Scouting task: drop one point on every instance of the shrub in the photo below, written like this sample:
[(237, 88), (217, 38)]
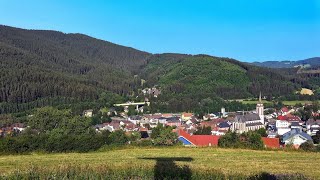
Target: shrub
[(143, 143), (204, 130), (229, 140), (165, 137), (250, 140), (262, 132), (253, 140), (316, 138), (118, 137), (307, 146)]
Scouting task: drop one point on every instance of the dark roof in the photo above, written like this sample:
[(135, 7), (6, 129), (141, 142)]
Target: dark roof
[(135, 117), (295, 124), (144, 134), (112, 109), (173, 120), (193, 120), (97, 126), (224, 125), (254, 124), (313, 122), (247, 117), (294, 132)]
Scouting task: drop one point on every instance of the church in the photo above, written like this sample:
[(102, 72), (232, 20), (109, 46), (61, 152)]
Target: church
[(250, 122)]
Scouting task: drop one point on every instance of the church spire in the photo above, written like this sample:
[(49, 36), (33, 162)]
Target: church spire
[(260, 99), (260, 109)]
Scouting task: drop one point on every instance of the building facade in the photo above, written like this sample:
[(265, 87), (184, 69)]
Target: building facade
[(250, 122)]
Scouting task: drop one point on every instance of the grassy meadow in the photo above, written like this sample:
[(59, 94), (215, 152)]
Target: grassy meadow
[(288, 103), (146, 163)]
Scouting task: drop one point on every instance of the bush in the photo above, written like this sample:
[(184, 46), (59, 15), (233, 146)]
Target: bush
[(143, 143), (165, 136), (316, 138), (118, 137), (251, 140), (307, 146), (262, 132), (204, 130), (229, 140)]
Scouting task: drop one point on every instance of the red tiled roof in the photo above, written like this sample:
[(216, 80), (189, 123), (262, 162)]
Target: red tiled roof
[(289, 115), (271, 142), (284, 109), (167, 115), (200, 140), (187, 114), (282, 117), (208, 123), (143, 129), (294, 118)]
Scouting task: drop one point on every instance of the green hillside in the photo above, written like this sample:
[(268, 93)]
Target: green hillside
[(37, 65), (227, 78), (204, 74), (188, 80), (39, 68)]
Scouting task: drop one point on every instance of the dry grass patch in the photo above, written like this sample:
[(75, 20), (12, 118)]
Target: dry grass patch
[(227, 161)]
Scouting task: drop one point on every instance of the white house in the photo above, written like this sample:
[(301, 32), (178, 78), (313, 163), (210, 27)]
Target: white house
[(282, 131), (313, 127), (295, 137), (282, 127), (88, 113), (282, 124)]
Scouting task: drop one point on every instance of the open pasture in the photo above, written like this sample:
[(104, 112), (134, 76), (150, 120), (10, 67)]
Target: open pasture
[(148, 162)]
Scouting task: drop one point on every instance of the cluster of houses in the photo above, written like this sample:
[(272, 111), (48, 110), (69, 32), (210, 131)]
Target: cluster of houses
[(154, 92), (10, 129), (282, 127)]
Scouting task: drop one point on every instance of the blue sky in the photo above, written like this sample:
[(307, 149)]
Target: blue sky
[(247, 30)]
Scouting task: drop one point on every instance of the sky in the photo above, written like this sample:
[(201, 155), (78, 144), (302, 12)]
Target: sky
[(247, 30)]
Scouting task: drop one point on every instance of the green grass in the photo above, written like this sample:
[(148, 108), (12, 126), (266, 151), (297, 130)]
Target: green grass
[(141, 161), (254, 102), (292, 103), (288, 103)]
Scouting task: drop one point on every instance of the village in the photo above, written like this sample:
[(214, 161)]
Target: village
[(282, 127)]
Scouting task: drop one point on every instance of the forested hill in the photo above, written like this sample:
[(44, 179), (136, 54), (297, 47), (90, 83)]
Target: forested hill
[(40, 64), (40, 68), (311, 62), (210, 76)]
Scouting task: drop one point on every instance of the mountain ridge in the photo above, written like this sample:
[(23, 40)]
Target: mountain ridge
[(36, 65), (313, 62)]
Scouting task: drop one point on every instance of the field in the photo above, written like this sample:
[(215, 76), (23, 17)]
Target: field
[(148, 162), (288, 103)]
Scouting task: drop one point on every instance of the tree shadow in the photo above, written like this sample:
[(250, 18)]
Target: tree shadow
[(166, 168)]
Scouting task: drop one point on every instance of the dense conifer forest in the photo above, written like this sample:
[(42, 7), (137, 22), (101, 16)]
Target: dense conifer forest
[(40, 68)]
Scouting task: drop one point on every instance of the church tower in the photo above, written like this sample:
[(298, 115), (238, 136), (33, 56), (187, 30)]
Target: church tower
[(260, 109)]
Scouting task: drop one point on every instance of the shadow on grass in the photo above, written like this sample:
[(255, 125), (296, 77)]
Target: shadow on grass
[(166, 168), (268, 176)]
